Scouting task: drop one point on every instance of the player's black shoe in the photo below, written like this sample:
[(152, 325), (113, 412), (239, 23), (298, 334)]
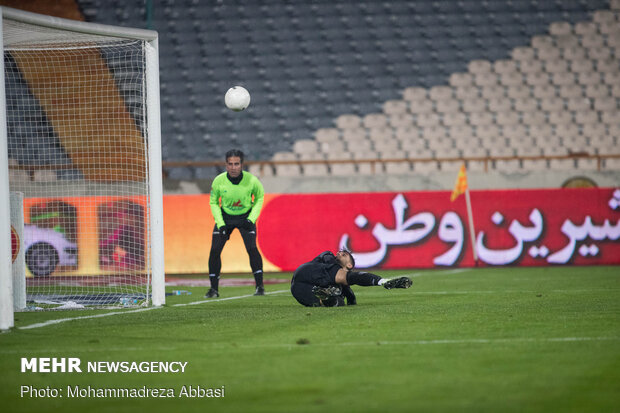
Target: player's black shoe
[(212, 293), (260, 290), (324, 293), (400, 282)]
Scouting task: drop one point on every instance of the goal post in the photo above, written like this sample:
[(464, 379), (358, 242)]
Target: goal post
[(6, 277), (80, 137)]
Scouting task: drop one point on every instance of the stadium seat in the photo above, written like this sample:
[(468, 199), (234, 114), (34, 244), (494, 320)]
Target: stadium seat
[(493, 91), (560, 29), (367, 168), (433, 132), (528, 151), (461, 79), (387, 145), (313, 169), (427, 120), (475, 105), (570, 91), (287, 170), (500, 150), (516, 132), (557, 116), (523, 53), (327, 134), (507, 118), (527, 106), (574, 53), (464, 134), (594, 131), (511, 79), (414, 94), (333, 147), (260, 170), (343, 169), (548, 54), (421, 107), (500, 104), (407, 134), (562, 164), (418, 152), (518, 91), (486, 79), (507, 165), (596, 91), (575, 143), (467, 92), (447, 106), (479, 119), (607, 65), (380, 133), (375, 120), (395, 107), (348, 121), (425, 168), (540, 78), (454, 119), (610, 119), (401, 120), (578, 104), (473, 152), (505, 66), (534, 165)]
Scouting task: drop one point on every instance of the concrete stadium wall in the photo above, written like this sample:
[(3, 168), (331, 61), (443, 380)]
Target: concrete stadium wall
[(438, 181)]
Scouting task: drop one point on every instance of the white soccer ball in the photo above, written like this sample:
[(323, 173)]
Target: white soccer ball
[(237, 98)]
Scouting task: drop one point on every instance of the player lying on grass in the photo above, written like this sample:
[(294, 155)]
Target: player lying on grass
[(325, 281)]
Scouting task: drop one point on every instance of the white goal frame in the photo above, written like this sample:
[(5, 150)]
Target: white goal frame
[(155, 200)]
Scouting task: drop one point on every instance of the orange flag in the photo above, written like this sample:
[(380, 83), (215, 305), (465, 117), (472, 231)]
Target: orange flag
[(461, 184)]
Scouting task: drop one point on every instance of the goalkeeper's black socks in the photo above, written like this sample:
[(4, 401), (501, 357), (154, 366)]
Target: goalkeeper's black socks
[(215, 281), (258, 277), (365, 279)]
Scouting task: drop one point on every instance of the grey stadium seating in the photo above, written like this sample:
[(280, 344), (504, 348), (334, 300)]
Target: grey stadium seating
[(309, 64)]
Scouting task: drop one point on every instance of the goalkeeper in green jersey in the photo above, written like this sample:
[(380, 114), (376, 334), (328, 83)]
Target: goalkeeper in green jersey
[(236, 202)]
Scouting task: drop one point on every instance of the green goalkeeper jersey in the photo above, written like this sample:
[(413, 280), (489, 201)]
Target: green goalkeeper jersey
[(236, 199)]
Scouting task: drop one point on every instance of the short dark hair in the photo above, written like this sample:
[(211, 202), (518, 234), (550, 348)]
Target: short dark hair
[(235, 152), (350, 256)]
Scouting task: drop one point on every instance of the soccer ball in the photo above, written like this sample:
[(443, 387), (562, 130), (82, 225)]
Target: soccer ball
[(237, 98)]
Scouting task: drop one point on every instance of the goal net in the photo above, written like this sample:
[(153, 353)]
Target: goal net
[(83, 144)]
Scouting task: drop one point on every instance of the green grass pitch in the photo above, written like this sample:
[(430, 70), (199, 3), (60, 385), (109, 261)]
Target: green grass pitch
[(477, 340)]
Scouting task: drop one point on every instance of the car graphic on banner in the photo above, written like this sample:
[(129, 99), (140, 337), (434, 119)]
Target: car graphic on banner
[(46, 249)]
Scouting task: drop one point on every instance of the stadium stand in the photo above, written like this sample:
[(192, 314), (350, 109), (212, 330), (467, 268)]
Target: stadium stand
[(382, 80)]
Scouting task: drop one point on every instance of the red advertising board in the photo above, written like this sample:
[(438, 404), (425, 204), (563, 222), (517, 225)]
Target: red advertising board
[(424, 229)]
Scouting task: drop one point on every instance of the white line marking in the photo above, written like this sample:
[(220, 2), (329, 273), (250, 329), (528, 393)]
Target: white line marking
[(62, 320), (542, 292), (434, 342), (226, 299), (322, 344), (436, 272)]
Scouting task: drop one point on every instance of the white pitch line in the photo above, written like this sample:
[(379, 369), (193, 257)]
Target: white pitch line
[(225, 299), (436, 272), (543, 292), (62, 320), (344, 344), (439, 342)]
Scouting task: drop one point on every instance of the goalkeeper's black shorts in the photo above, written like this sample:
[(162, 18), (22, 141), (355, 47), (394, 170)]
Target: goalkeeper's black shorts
[(305, 278)]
